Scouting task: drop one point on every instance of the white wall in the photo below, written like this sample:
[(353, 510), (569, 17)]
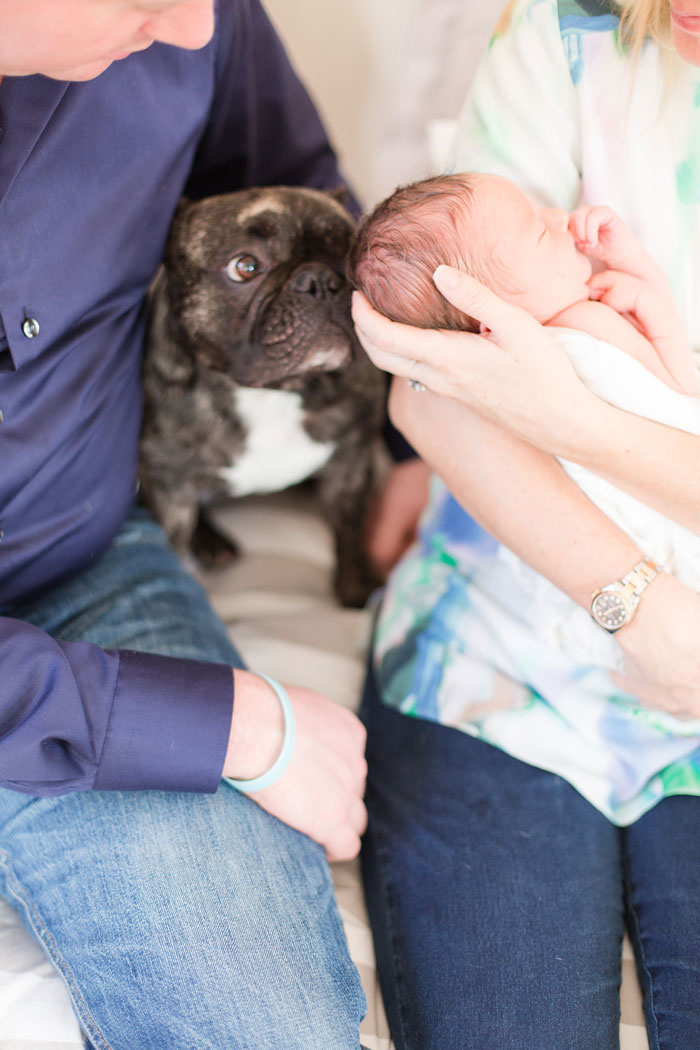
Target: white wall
[(379, 70)]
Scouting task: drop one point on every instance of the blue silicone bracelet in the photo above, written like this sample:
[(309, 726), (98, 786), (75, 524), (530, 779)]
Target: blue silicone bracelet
[(282, 761)]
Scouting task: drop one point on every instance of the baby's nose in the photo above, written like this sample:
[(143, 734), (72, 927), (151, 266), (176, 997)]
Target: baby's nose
[(558, 218)]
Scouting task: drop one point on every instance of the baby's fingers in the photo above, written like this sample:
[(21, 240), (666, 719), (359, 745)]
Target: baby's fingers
[(586, 225), (584, 232), (616, 289)]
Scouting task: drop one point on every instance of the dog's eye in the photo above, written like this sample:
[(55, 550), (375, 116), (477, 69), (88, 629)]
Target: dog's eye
[(243, 267)]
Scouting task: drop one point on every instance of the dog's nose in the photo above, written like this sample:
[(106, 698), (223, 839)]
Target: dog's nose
[(321, 283)]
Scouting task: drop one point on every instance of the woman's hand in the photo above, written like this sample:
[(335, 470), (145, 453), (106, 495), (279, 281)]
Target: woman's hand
[(514, 374), (393, 522), (662, 650)]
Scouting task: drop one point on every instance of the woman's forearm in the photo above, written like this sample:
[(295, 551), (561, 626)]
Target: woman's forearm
[(519, 494), (657, 464), (524, 498)]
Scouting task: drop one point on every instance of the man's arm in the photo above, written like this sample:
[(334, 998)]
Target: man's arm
[(75, 717)]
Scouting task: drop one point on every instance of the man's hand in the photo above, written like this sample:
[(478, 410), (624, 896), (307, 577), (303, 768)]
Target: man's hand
[(321, 791)]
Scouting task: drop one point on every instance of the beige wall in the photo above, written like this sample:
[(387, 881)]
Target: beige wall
[(379, 70)]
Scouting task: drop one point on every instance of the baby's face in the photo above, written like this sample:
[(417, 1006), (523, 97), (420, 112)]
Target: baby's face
[(527, 250)]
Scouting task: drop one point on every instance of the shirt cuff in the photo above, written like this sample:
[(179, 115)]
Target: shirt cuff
[(169, 726)]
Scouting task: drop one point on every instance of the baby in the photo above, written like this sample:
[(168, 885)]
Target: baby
[(505, 626), (537, 258)]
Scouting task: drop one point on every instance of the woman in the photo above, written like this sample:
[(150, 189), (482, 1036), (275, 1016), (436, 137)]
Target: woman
[(497, 892)]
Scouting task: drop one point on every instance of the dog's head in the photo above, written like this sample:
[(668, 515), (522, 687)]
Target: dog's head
[(256, 283)]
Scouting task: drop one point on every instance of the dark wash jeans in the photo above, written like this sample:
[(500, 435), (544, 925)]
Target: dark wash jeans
[(498, 898)]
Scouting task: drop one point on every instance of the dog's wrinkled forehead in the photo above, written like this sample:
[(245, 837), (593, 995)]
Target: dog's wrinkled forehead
[(299, 221)]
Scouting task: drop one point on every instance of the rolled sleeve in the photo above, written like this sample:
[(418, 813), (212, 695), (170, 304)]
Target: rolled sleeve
[(75, 717), (169, 725)]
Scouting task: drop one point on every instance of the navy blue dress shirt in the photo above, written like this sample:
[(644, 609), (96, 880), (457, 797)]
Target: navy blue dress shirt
[(90, 175)]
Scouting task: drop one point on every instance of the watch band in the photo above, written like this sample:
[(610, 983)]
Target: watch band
[(614, 605), (639, 578)]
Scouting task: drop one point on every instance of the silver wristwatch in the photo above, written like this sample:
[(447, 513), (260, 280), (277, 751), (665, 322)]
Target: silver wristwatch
[(614, 606)]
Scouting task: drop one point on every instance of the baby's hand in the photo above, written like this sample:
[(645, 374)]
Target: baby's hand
[(652, 312), (622, 292), (600, 233)]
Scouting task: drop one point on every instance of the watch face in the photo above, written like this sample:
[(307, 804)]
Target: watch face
[(609, 610)]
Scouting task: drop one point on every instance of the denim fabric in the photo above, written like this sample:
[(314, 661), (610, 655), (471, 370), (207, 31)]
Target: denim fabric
[(497, 897), (176, 920)]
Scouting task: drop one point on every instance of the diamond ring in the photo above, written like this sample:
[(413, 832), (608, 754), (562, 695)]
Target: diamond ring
[(415, 385)]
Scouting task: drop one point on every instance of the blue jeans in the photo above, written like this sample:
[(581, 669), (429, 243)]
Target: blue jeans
[(498, 898), (178, 921)]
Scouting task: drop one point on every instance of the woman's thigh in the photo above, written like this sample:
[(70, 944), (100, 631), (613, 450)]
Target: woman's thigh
[(662, 867), (495, 895), (178, 921)]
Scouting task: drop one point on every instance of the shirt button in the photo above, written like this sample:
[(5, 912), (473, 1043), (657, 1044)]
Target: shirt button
[(2, 535), (2, 418), (30, 327)]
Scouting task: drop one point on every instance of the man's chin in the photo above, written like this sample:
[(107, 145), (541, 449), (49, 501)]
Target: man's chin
[(85, 72)]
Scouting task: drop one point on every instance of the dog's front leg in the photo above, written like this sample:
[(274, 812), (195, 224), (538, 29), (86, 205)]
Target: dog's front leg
[(346, 488)]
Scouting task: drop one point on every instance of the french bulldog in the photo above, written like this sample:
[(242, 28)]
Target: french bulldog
[(254, 379)]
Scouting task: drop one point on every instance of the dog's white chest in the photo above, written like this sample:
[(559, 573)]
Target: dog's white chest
[(278, 450)]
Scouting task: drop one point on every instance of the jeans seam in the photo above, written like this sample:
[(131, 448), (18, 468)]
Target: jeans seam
[(396, 954), (44, 936), (640, 955)]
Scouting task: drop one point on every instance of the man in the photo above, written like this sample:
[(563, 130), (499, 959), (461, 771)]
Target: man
[(179, 915)]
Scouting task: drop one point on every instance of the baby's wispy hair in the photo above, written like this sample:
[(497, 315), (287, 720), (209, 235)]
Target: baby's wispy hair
[(398, 247)]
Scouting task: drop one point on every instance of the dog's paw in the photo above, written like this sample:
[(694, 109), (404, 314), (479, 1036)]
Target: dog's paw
[(211, 548), (354, 584)]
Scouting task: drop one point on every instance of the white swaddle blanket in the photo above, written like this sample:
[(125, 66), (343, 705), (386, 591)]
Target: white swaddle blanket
[(623, 382)]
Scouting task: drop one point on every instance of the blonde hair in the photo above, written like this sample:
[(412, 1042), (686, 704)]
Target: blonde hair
[(640, 19)]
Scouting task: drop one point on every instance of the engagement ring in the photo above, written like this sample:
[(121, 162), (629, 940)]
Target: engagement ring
[(416, 385)]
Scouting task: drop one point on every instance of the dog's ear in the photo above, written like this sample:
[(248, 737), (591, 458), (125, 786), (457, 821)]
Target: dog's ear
[(178, 238), (182, 205), (341, 194)]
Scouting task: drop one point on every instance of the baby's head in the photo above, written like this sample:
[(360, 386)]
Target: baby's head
[(481, 224), (398, 247)]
